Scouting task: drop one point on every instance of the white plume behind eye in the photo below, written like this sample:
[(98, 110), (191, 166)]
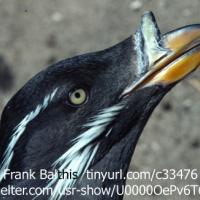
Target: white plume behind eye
[(19, 130), (81, 153)]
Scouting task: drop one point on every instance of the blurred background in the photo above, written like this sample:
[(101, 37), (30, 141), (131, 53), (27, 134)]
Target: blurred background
[(35, 34)]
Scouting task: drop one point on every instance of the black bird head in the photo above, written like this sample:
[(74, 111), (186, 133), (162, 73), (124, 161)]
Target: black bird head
[(87, 112)]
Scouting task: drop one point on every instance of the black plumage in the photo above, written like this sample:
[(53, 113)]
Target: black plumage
[(47, 133)]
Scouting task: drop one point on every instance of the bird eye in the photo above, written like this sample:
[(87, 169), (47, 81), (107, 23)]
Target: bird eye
[(78, 97)]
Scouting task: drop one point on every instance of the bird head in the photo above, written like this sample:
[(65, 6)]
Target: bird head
[(87, 112)]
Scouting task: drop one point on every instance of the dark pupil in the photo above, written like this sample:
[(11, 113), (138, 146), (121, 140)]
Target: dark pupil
[(77, 95)]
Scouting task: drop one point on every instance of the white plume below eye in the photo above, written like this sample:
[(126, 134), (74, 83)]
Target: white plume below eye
[(83, 150), (81, 153)]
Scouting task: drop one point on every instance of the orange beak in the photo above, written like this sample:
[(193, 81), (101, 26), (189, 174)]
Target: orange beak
[(184, 56), (178, 56)]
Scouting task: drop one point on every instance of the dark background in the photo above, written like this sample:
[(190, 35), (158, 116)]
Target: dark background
[(36, 33)]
